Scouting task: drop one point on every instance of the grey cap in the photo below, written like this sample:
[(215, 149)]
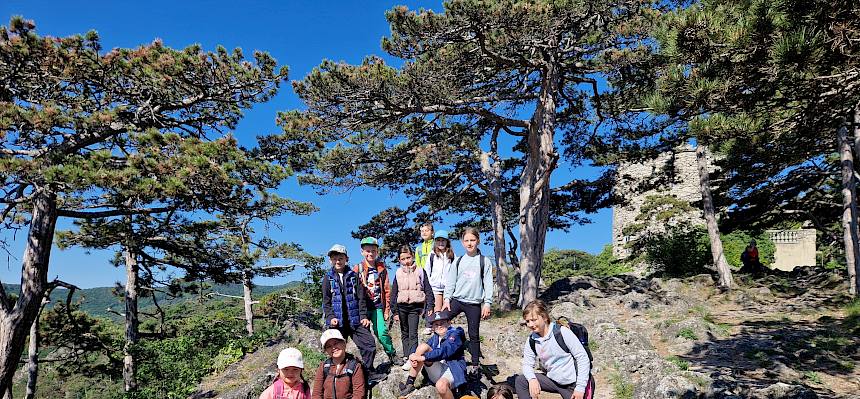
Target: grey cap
[(338, 249)]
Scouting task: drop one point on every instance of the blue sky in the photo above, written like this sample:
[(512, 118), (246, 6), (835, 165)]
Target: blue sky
[(299, 34)]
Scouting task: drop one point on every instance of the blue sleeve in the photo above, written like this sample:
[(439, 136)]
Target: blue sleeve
[(446, 350)]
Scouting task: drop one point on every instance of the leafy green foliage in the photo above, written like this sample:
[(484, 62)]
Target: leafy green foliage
[(735, 243), (681, 251), (560, 264)]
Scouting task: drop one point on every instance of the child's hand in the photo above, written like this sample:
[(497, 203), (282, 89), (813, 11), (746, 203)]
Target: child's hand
[(447, 305), (365, 323), (333, 322), (578, 395), (485, 312), (534, 388)]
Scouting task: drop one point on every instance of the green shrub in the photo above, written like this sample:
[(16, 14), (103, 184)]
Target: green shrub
[(735, 243), (622, 388), (563, 263), (681, 251), (681, 364), (687, 333)]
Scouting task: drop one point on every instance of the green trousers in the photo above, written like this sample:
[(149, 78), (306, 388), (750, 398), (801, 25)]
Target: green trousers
[(381, 331)]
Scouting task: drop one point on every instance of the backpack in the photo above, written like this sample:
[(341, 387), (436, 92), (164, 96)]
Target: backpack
[(578, 330), (349, 371), (481, 277)]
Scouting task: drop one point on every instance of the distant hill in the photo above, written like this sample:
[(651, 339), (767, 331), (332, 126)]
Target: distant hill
[(96, 301)]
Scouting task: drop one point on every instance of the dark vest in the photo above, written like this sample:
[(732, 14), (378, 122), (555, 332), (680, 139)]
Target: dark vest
[(337, 297)]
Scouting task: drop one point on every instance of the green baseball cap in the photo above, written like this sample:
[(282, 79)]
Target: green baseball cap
[(369, 241)]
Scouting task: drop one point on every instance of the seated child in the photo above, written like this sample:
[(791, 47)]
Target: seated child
[(442, 356)]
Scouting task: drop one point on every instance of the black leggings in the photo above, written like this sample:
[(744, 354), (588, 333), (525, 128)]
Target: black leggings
[(409, 314), (473, 321), (364, 340)]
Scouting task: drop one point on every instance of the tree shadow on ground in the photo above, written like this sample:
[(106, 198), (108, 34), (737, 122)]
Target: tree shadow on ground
[(766, 352)]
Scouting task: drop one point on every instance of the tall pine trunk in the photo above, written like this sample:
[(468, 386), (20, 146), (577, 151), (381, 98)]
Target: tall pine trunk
[(249, 311), (849, 209), (16, 319), (33, 354), (719, 256), (535, 186), (132, 272)]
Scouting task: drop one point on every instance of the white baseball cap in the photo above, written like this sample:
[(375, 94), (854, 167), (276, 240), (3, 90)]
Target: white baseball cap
[(290, 357), (330, 334)]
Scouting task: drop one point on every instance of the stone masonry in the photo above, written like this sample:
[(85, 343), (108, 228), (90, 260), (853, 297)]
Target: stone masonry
[(672, 174)]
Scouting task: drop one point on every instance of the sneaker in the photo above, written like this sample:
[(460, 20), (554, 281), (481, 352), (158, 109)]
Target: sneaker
[(473, 371), (407, 365), (406, 389), (392, 358), (427, 331)]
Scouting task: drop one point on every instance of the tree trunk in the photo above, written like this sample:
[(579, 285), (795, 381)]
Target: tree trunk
[(16, 319), (131, 320), (33, 354), (249, 311), (849, 209), (717, 252), (515, 264), (535, 186), (493, 173)]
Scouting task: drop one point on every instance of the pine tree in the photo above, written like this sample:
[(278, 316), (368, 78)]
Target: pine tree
[(67, 111), (524, 67)]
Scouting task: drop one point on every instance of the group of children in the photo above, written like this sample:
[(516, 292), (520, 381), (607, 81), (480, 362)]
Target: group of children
[(433, 284)]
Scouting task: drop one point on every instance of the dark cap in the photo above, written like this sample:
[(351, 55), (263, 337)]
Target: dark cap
[(440, 315)]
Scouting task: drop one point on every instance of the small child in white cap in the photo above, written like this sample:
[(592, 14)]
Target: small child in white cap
[(289, 384)]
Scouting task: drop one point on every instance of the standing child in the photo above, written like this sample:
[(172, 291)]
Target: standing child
[(423, 250), (374, 278), (344, 305), (442, 356), (469, 290), (289, 383), (411, 296), (438, 264)]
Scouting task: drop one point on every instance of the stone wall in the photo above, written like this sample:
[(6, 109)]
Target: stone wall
[(672, 174), (793, 248)]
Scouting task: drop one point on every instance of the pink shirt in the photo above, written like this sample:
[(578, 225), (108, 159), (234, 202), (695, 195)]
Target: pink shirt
[(289, 393)]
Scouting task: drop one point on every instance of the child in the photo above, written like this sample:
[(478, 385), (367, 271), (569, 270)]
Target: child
[(374, 278), (340, 375), (344, 305), (411, 296), (289, 383), (500, 391), (443, 357), (423, 250), (568, 372), (469, 290), (438, 264)]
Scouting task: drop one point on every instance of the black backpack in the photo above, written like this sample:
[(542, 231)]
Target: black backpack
[(578, 330)]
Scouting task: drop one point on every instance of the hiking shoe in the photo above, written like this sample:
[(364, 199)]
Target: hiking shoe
[(406, 389), (427, 331), (393, 359), (473, 371), (407, 365)]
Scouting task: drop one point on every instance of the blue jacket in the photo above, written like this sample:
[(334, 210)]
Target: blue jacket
[(451, 350), (334, 301)]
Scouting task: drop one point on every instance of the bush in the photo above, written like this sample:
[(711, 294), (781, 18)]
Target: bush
[(735, 243), (558, 263), (681, 251)]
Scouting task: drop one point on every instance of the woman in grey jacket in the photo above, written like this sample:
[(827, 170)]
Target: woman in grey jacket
[(567, 373)]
